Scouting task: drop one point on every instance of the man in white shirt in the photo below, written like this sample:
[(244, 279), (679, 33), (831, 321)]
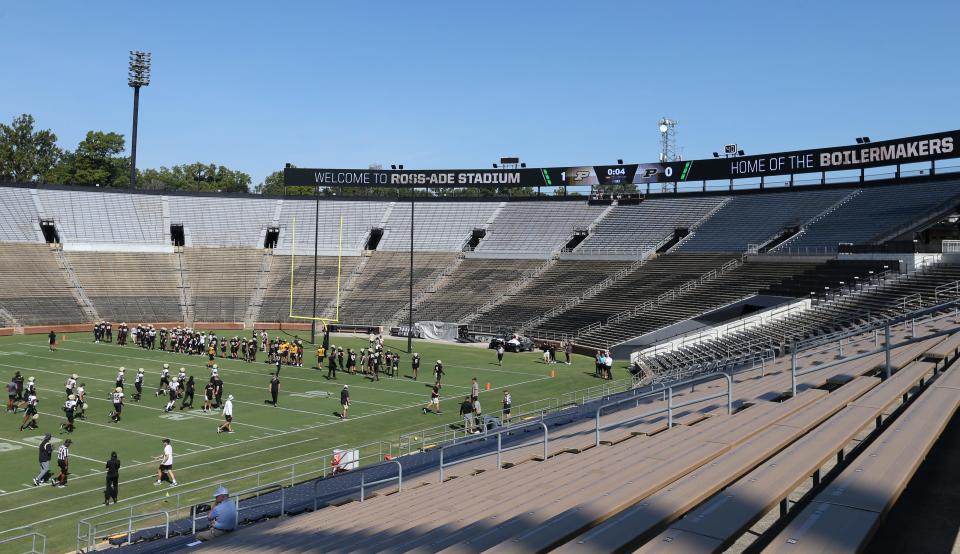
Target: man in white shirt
[(166, 464), (227, 426)]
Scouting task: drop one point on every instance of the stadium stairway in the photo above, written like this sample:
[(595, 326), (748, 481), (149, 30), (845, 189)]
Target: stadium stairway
[(527, 507)]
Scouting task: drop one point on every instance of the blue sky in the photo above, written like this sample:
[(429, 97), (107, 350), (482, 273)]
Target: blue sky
[(458, 84)]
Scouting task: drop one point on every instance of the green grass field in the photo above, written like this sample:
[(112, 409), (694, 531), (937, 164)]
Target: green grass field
[(302, 429)]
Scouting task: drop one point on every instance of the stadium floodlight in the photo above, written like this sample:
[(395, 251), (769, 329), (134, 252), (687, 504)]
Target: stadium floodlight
[(523, 165), (138, 75), (619, 161), (740, 152), (663, 127), (400, 166), (863, 140), (859, 140), (716, 154), (494, 166)]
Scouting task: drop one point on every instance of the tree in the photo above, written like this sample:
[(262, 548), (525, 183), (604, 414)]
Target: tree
[(196, 177), (98, 160), (27, 155)]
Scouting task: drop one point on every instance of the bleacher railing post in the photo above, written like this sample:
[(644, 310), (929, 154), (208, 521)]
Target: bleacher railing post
[(499, 451), (670, 408), (886, 351), (361, 486), (793, 372)]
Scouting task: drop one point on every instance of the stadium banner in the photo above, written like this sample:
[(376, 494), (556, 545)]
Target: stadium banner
[(920, 148), (455, 178)]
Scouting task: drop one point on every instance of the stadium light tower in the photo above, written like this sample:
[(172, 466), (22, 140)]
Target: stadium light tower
[(668, 142), (138, 76)]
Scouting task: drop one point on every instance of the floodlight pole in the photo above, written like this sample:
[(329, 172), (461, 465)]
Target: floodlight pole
[(316, 240), (138, 76), (133, 142), (410, 307)]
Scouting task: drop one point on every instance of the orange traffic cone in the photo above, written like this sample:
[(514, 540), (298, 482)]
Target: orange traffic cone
[(488, 386)]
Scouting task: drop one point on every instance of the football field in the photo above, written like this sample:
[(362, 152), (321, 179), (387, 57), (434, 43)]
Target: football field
[(385, 417)]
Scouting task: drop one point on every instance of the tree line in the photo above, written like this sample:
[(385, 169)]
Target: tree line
[(31, 155)]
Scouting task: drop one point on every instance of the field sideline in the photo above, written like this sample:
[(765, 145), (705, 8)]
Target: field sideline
[(303, 428)]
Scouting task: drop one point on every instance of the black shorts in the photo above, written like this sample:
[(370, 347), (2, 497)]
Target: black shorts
[(69, 417), (118, 408), (12, 396), (228, 418), (63, 465), (31, 410), (210, 357), (166, 467)]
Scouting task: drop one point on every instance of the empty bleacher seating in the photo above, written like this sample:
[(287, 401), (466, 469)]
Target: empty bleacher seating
[(651, 223), (238, 222), (358, 218), (86, 217), (276, 300), (700, 484), (473, 283), (759, 218), (382, 288), (438, 226), (537, 227), (555, 286), (221, 281), (875, 213), (35, 288), (18, 215), (134, 286)]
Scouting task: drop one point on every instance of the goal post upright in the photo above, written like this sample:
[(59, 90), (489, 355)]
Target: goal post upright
[(324, 321)]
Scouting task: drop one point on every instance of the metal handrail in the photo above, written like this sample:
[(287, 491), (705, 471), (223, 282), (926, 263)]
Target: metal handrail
[(91, 535), (500, 450), (363, 484), (668, 390), (887, 347), (34, 536)]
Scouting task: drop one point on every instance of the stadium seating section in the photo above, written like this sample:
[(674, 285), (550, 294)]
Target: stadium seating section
[(812, 472), (536, 227), (815, 470), (117, 261), (759, 218)]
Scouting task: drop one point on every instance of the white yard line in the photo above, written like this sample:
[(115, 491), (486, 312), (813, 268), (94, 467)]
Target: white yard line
[(72, 455)]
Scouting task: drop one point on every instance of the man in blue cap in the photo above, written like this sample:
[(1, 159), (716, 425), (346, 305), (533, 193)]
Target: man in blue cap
[(222, 518)]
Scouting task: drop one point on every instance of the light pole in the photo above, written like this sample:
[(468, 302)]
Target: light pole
[(138, 76), (316, 241)]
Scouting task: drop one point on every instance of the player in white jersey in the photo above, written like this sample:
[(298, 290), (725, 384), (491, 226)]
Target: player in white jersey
[(81, 407), (120, 374), (71, 384), (138, 384), (173, 395), (31, 416), (164, 379), (117, 404), (68, 409)]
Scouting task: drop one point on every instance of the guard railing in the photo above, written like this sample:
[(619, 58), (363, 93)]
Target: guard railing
[(667, 392), (498, 434)]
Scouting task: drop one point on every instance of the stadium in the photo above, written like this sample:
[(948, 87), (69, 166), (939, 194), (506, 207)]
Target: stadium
[(733, 352)]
